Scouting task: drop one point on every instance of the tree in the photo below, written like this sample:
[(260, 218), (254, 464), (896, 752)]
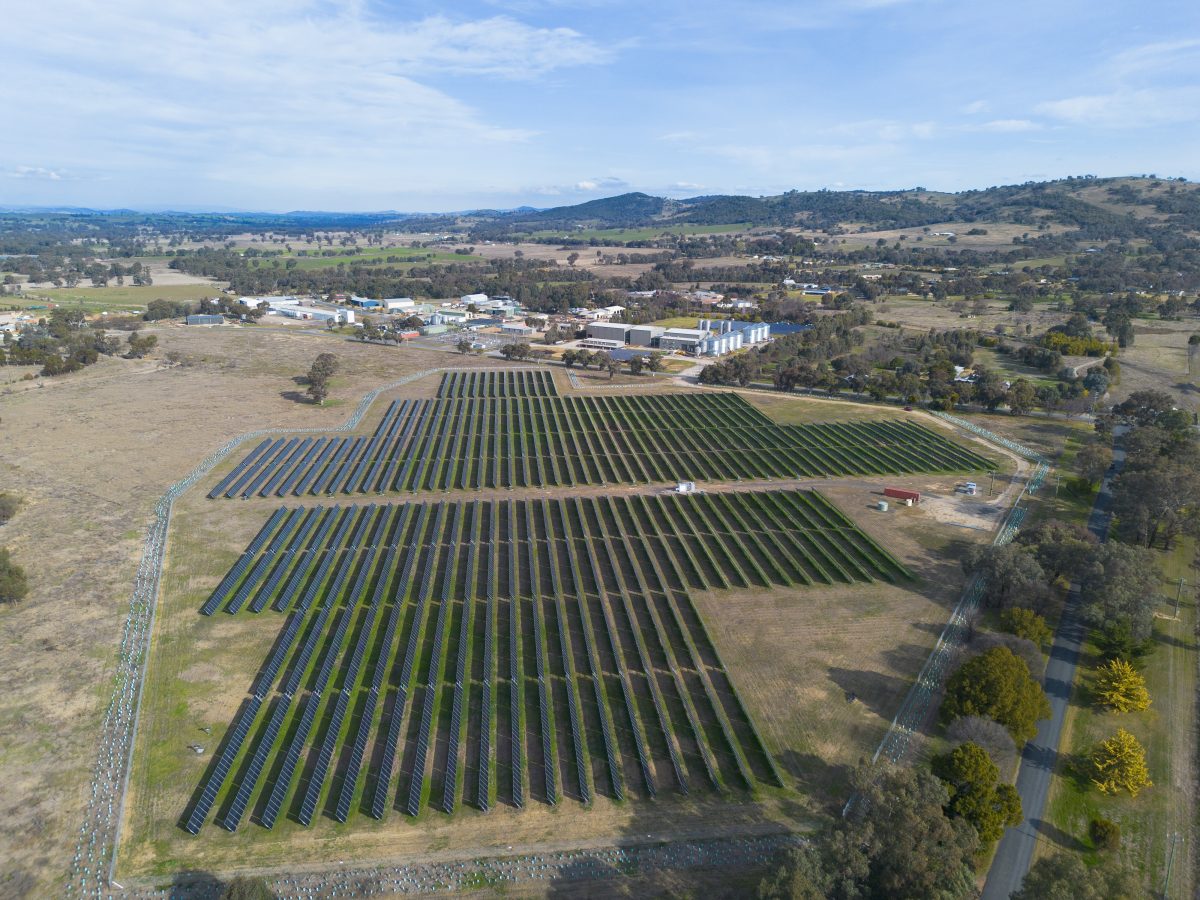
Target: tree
[(1093, 461), (1062, 549), (997, 684), (898, 844), (318, 391), (323, 367), (1121, 587), (13, 583), (1157, 498), (1120, 687), (802, 876), (570, 357), (517, 350), (976, 792), (463, 346), (1119, 764), (318, 376), (655, 362), (1025, 650), (1025, 623), (1151, 407), (1021, 396), (1013, 576), (635, 365), (9, 503), (1064, 876), (1116, 641)]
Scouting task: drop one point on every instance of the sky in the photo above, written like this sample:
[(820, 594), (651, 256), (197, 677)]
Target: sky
[(277, 105)]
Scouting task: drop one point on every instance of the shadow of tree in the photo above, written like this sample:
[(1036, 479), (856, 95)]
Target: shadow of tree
[(826, 783), (1057, 836), (875, 690), (195, 885)]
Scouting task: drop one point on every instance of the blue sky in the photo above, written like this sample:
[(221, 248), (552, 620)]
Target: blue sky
[(361, 105)]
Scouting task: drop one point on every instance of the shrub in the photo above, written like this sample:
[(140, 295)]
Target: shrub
[(13, 584), (8, 506), (1105, 834)]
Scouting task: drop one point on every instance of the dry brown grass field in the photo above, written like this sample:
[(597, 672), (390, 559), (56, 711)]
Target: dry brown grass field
[(91, 453)]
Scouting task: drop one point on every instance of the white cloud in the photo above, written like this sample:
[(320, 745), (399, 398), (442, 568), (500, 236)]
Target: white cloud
[(35, 172), (1125, 108), (975, 107), (1157, 58), (606, 183), (277, 93), (1007, 126)]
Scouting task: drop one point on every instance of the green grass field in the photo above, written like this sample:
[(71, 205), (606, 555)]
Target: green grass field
[(1165, 730), (677, 322), (375, 257), (115, 298)]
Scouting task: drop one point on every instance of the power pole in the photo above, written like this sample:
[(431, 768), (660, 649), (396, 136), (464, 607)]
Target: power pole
[(1178, 595), (991, 481)]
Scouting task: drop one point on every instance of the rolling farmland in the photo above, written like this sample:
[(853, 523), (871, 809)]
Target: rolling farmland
[(495, 430), (433, 656)]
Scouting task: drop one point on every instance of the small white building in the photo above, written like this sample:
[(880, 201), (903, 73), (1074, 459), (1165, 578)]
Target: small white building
[(601, 344), (517, 329), (474, 298)]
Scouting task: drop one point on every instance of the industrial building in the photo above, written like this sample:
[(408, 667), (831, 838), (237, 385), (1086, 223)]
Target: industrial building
[(203, 319), (730, 336), (685, 339), (609, 331), (643, 335), (517, 329), (316, 313)]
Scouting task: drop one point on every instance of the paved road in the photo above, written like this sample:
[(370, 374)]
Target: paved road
[(1015, 853)]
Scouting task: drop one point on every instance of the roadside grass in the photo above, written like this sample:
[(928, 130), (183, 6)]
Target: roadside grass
[(1166, 730), (130, 297)]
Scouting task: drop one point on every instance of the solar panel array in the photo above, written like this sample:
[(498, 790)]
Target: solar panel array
[(464, 442), (483, 652)]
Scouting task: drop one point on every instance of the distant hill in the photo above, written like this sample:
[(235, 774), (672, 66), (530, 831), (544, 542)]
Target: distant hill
[(1098, 208)]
